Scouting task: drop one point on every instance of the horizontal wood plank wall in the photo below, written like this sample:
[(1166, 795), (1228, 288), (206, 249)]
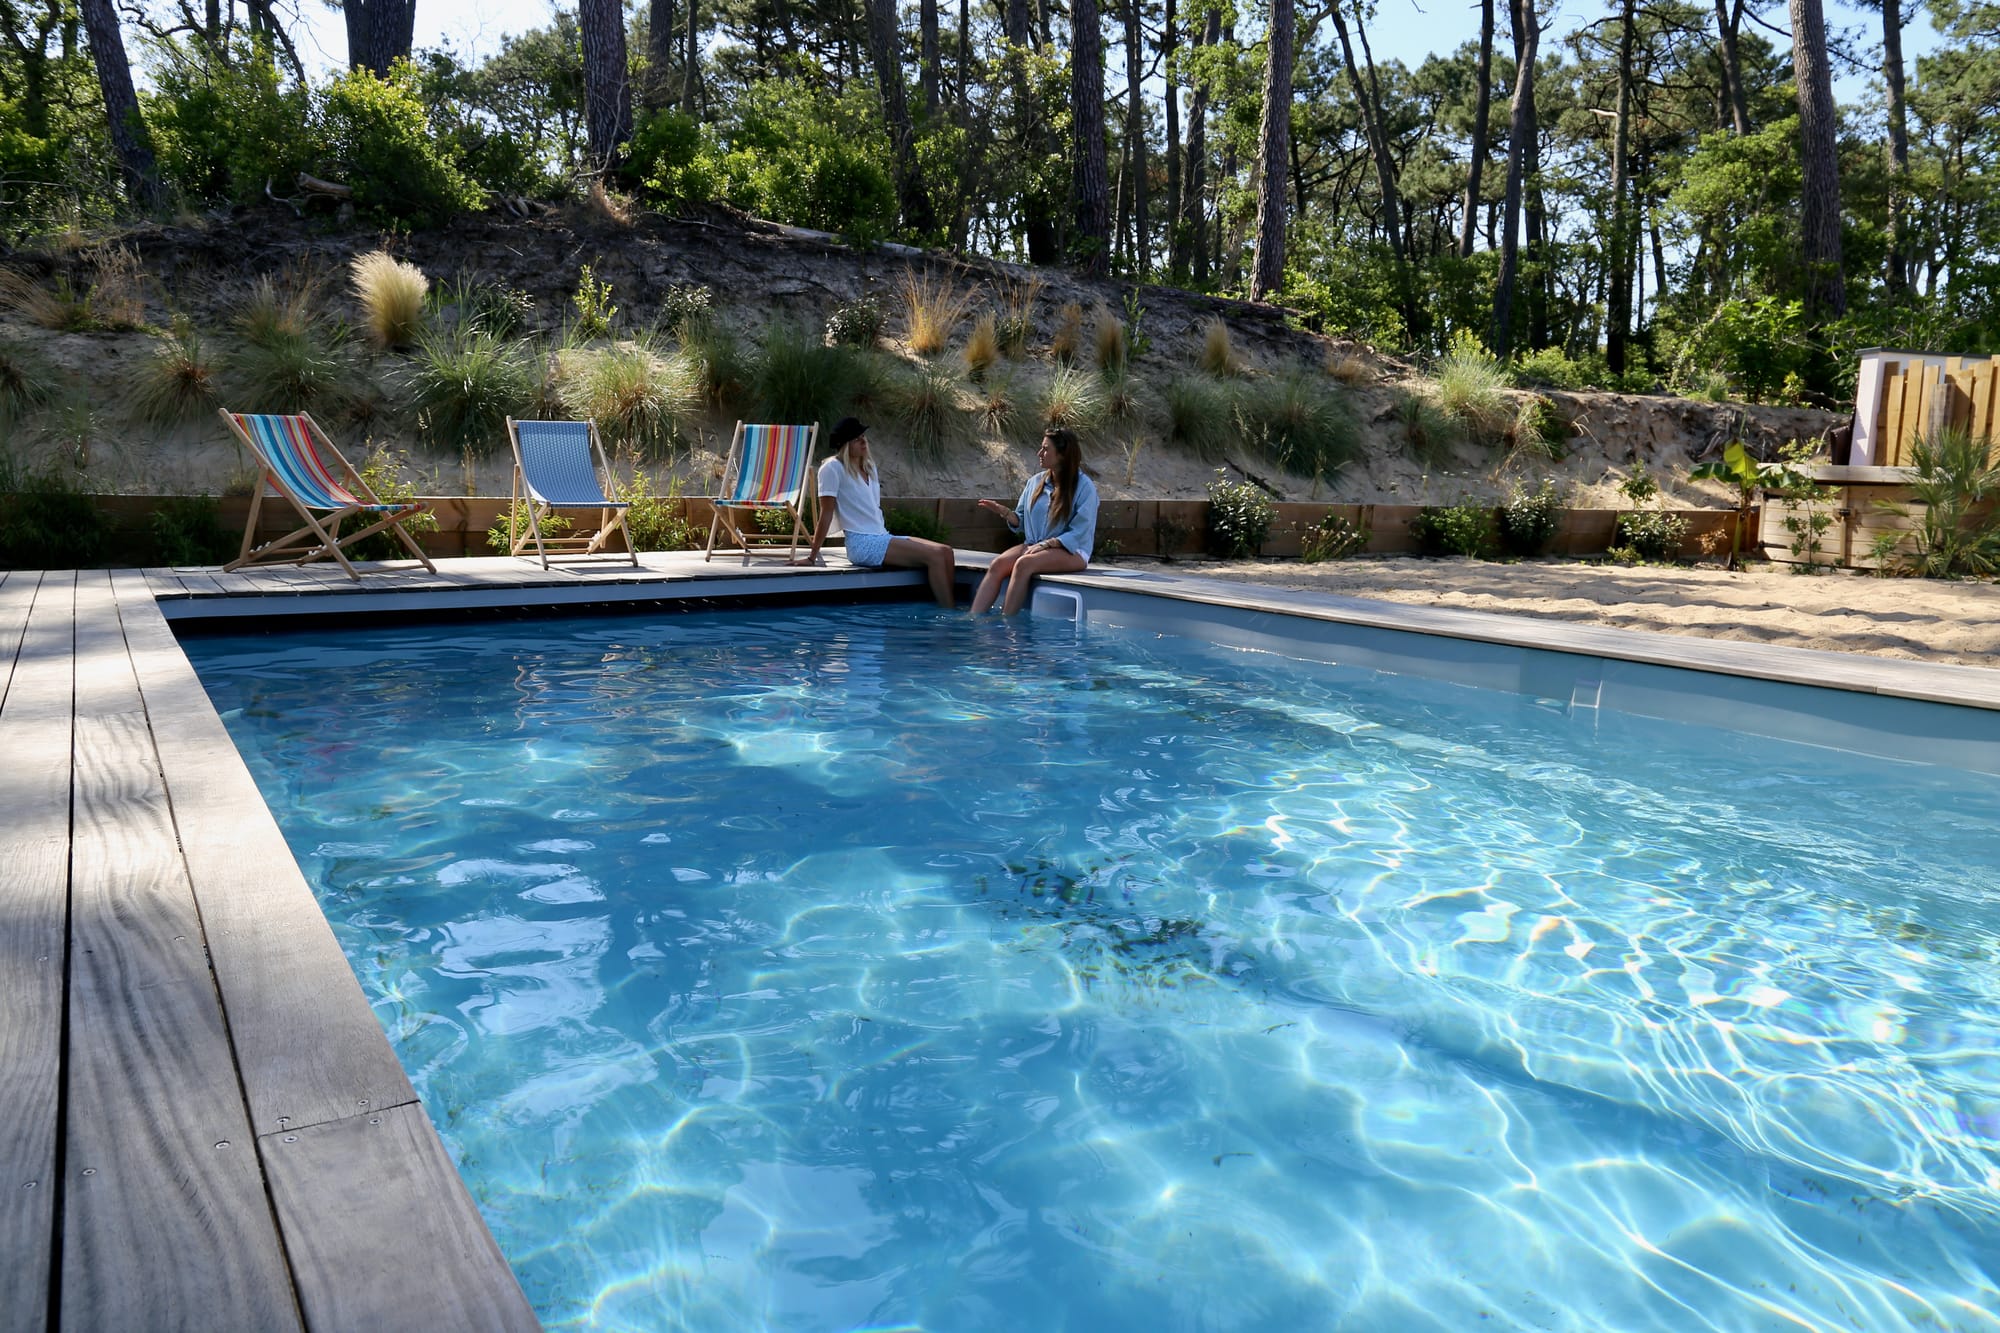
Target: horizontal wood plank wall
[(166, 1220), (35, 736)]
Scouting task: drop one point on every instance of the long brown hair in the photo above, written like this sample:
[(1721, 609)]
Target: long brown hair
[(1060, 479)]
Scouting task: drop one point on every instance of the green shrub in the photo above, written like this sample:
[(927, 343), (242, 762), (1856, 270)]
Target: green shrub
[(187, 530), (225, 125), (499, 312), (1552, 368), (379, 142), (1300, 423), (1461, 529), (46, 522), (385, 471), (594, 311), (465, 385), (916, 523), (1471, 385), (798, 153), (796, 377), (1334, 537), (552, 525), (665, 159), (642, 401), (685, 306), (656, 522), (855, 323), (1200, 415), (1239, 518), (1529, 520), (1652, 535), (1959, 531)]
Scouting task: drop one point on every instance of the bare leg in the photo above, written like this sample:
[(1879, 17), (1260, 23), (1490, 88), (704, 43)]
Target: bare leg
[(935, 558), (1058, 561), (996, 574)]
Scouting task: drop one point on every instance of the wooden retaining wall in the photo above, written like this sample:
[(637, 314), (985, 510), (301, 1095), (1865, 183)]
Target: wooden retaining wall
[(1124, 527)]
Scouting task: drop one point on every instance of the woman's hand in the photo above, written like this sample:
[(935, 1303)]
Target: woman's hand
[(810, 558)]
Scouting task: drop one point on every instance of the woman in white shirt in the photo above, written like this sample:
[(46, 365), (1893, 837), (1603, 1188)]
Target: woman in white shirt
[(1057, 519), (850, 502)]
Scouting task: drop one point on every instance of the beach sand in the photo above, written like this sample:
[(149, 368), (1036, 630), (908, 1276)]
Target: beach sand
[(1916, 619)]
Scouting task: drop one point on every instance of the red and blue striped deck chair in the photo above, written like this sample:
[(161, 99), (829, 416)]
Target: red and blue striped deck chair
[(301, 464), (561, 465), (766, 469)]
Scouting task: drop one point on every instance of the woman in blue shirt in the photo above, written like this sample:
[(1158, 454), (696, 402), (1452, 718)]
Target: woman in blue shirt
[(1057, 519)]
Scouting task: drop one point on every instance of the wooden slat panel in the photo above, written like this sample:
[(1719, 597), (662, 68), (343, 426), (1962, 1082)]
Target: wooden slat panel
[(371, 1244), (35, 727), (166, 1223), (1917, 416), (279, 968), (1889, 422)]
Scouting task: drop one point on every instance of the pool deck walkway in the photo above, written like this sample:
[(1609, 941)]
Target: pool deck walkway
[(201, 1122)]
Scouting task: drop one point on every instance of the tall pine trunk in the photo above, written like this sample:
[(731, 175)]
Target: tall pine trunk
[(1482, 114), (1274, 152), (1089, 186), (928, 76), (379, 32), (660, 40), (1135, 136), (1728, 19), (1039, 212), (121, 103), (885, 48), (607, 94), (1819, 165), (1618, 269), (690, 58), (1897, 277), (1193, 228), (1520, 139), (1169, 39)]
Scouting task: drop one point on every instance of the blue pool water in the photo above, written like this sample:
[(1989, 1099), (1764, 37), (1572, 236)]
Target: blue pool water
[(875, 968)]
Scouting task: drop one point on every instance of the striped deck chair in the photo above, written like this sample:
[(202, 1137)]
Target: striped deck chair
[(561, 465), (766, 468), (302, 465)]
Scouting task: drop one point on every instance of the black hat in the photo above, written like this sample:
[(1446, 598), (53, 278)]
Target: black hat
[(846, 430)]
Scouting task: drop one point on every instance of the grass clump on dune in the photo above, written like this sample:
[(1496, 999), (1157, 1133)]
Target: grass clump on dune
[(923, 403), (1218, 353), (641, 400), (1298, 423), (797, 378), (465, 386), (178, 382), (1199, 415), (27, 380), (1072, 399), (982, 347), (1471, 386), (933, 307), (392, 297)]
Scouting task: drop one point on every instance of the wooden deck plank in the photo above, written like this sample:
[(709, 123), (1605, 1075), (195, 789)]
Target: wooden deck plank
[(17, 594), (276, 961), (361, 1197), (35, 731), (166, 1222)]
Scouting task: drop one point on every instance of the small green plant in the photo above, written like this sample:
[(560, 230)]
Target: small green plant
[(686, 305), (773, 521), (385, 471), (656, 522), (856, 324), (916, 523), (1463, 529), (1957, 483), (1137, 341), (552, 524), (1528, 521), (187, 530), (1200, 415), (1239, 517), (499, 312), (1334, 537), (1650, 535), (594, 311), (1804, 504), (1748, 476)]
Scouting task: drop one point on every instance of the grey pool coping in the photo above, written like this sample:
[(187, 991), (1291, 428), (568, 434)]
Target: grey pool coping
[(349, 1177)]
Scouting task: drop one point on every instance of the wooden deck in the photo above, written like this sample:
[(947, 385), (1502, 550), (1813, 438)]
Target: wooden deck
[(201, 1122)]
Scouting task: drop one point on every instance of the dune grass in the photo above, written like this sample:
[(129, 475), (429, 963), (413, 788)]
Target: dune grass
[(1073, 399), (1299, 423), (796, 377), (465, 385), (1200, 415), (922, 401), (642, 400), (982, 347), (179, 381), (932, 308), (1471, 385), (391, 293), (1066, 343), (1218, 352), (1108, 339)]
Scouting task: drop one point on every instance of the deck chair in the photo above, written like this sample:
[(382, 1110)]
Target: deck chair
[(766, 469), (302, 465), (561, 465)]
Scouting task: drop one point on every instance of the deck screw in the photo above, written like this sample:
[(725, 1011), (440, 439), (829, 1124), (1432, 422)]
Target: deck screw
[(90, 1170), (362, 1102), (223, 1144), (30, 1184), (374, 1119)]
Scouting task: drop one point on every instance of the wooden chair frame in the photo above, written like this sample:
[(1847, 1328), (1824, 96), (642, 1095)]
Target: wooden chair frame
[(316, 538), (577, 546), (727, 511)]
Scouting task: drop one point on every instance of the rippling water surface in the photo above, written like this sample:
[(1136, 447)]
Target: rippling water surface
[(875, 968)]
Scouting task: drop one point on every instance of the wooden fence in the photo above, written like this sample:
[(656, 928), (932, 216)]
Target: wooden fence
[(1923, 397), (1124, 527)]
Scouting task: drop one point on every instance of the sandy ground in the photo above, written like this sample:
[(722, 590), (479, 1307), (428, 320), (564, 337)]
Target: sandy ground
[(1915, 619)]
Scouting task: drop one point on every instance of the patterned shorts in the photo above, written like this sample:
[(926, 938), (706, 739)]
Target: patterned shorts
[(868, 548)]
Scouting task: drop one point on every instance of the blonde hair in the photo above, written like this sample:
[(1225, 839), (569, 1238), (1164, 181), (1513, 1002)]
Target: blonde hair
[(866, 471)]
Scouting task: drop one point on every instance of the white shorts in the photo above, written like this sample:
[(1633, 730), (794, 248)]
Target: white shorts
[(868, 548)]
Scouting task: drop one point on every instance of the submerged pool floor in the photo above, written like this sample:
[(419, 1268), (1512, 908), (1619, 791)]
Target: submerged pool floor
[(875, 967)]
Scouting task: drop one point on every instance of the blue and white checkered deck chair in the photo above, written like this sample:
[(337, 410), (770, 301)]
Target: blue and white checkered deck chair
[(561, 465), (766, 468)]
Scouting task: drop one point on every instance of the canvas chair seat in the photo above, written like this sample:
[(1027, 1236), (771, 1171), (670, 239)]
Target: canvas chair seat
[(562, 465), (767, 468)]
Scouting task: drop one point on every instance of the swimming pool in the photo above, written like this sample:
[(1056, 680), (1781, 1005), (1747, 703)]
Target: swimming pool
[(873, 967)]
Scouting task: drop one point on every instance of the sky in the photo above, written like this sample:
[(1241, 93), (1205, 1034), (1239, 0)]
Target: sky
[(1406, 30)]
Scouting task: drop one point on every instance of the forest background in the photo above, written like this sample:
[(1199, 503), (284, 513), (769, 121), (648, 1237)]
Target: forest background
[(1665, 195)]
